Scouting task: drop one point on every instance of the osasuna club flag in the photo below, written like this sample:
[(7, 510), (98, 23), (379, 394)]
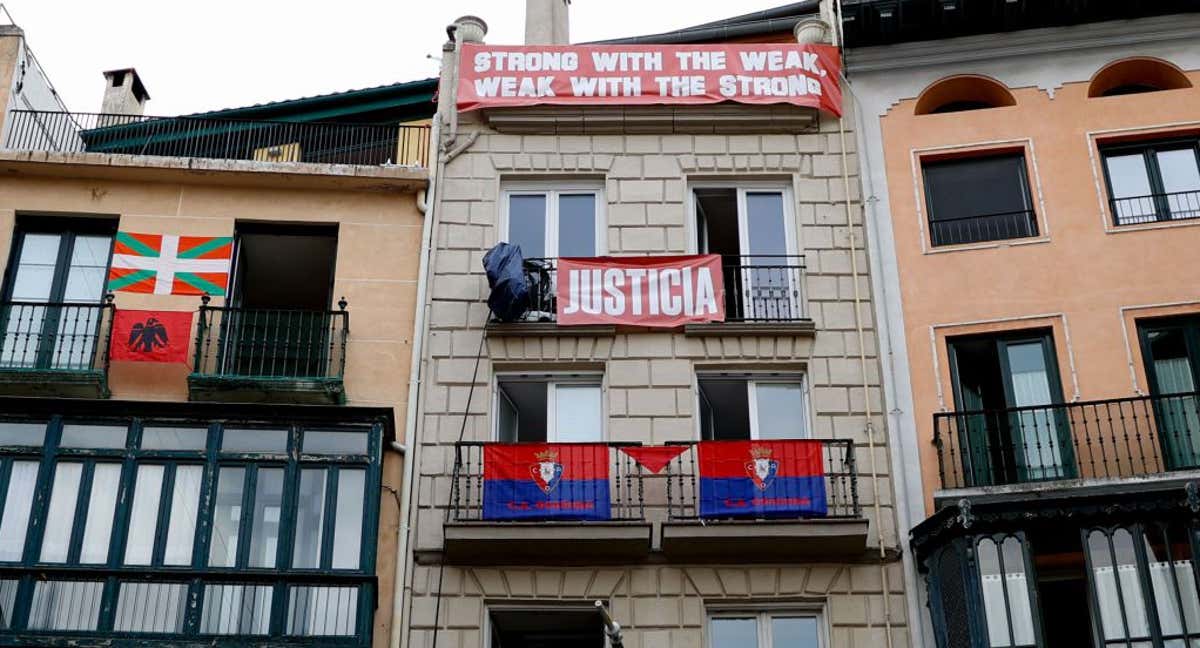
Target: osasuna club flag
[(151, 336), (545, 481), (762, 479), (167, 264)]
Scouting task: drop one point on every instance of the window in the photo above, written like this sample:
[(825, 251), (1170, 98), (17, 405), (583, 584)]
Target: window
[(577, 627), (765, 630), (195, 505), (551, 223), (1006, 587), (553, 409), (993, 375), (53, 293), (1152, 182), (979, 199), (751, 228), (1171, 353), (1144, 584), (752, 407), (959, 93)]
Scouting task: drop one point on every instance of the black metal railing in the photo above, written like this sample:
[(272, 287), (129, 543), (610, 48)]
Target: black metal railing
[(839, 465), (1180, 205), (625, 487), (1124, 437), (271, 344), (225, 139), (55, 336), (983, 228), (763, 288)]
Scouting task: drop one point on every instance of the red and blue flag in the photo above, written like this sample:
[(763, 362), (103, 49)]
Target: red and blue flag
[(765, 479), (545, 481)]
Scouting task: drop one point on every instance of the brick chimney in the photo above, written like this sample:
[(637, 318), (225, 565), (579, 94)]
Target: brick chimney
[(546, 22), (124, 93)]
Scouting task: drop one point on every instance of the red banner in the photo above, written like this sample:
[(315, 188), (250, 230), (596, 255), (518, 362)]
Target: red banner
[(611, 75), (151, 336), (661, 291)]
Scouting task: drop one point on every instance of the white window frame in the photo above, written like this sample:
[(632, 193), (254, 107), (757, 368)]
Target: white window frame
[(553, 191), (762, 617), (790, 227), (551, 380), (752, 379)]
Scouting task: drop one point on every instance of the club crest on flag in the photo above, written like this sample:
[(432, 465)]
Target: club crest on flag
[(547, 472), (761, 468)]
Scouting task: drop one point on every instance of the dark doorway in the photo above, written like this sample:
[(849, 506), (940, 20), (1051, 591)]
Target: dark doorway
[(1062, 588), (581, 628)]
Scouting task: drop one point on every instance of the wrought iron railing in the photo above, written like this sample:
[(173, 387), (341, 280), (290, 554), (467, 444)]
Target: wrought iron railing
[(1180, 205), (838, 462), (983, 228), (271, 344), (225, 139), (625, 487), (55, 336), (1124, 437), (763, 288)]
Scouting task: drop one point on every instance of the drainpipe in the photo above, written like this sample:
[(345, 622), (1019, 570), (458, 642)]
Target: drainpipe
[(830, 11)]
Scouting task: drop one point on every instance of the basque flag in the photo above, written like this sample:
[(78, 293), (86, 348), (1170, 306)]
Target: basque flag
[(762, 479), (545, 481)]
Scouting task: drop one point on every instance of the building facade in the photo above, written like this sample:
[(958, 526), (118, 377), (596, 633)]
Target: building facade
[(249, 495), (748, 183), (1032, 180)]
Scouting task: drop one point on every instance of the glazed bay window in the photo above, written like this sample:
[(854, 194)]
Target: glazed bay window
[(978, 199), (248, 530), (1150, 182), (564, 408), (749, 629)]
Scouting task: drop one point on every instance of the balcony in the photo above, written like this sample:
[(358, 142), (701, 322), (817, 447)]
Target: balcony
[(475, 535), (689, 536), (1139, 210), (55, 349), (287, 356), (761, 292), (1138, 437), (983, 228), (222, 139)]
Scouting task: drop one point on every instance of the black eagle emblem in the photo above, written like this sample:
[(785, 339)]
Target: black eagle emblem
[(147, 336)]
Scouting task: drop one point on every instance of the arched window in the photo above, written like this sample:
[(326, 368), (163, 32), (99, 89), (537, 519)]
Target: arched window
[(1137, 75), (959, 93), (1005, 586)]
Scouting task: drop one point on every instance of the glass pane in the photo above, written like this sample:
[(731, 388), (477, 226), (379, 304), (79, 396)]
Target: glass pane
[(766, 280), (150, 607), (766, 232), (348, 525), (227, 517), (734, 633), (252, 440), (335, 443), (143, 521), (61, 516), (8, 602), (1037, 433), (322, 611), (579, 413), (780, 411), (93, 436), (17, 503), (236, 610), (1132, 196), (1005, 593), (174, 438), (22, 434), (310, 519), (268, 503), (794, 632), (1117, 586), (527, 224), (97, 531), (89, 269), (577, 225), (185, 504), (1174, 581), (66, 605), (1181, 180), (35, 269)]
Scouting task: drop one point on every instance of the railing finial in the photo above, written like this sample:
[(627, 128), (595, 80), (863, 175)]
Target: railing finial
[(204, 299), (342, 303), (108, 297)]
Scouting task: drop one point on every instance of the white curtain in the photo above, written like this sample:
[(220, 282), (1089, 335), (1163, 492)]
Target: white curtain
[(17, 505), (1105, 580), (1018, 608), (1180, 420), (1038, 429)]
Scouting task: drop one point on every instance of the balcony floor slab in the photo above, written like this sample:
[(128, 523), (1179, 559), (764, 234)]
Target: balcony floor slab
[(764, 540), (546, 543)]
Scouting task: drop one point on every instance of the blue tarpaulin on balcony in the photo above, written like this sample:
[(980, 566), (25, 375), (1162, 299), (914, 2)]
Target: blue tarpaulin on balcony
[(509, 298)]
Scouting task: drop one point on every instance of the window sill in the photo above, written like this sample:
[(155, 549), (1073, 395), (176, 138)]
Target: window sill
[(799, 328), (1153, 225), (549, 329), (989, 245)]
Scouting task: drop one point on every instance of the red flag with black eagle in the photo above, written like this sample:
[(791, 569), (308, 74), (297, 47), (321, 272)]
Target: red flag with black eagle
[(151, 336)]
